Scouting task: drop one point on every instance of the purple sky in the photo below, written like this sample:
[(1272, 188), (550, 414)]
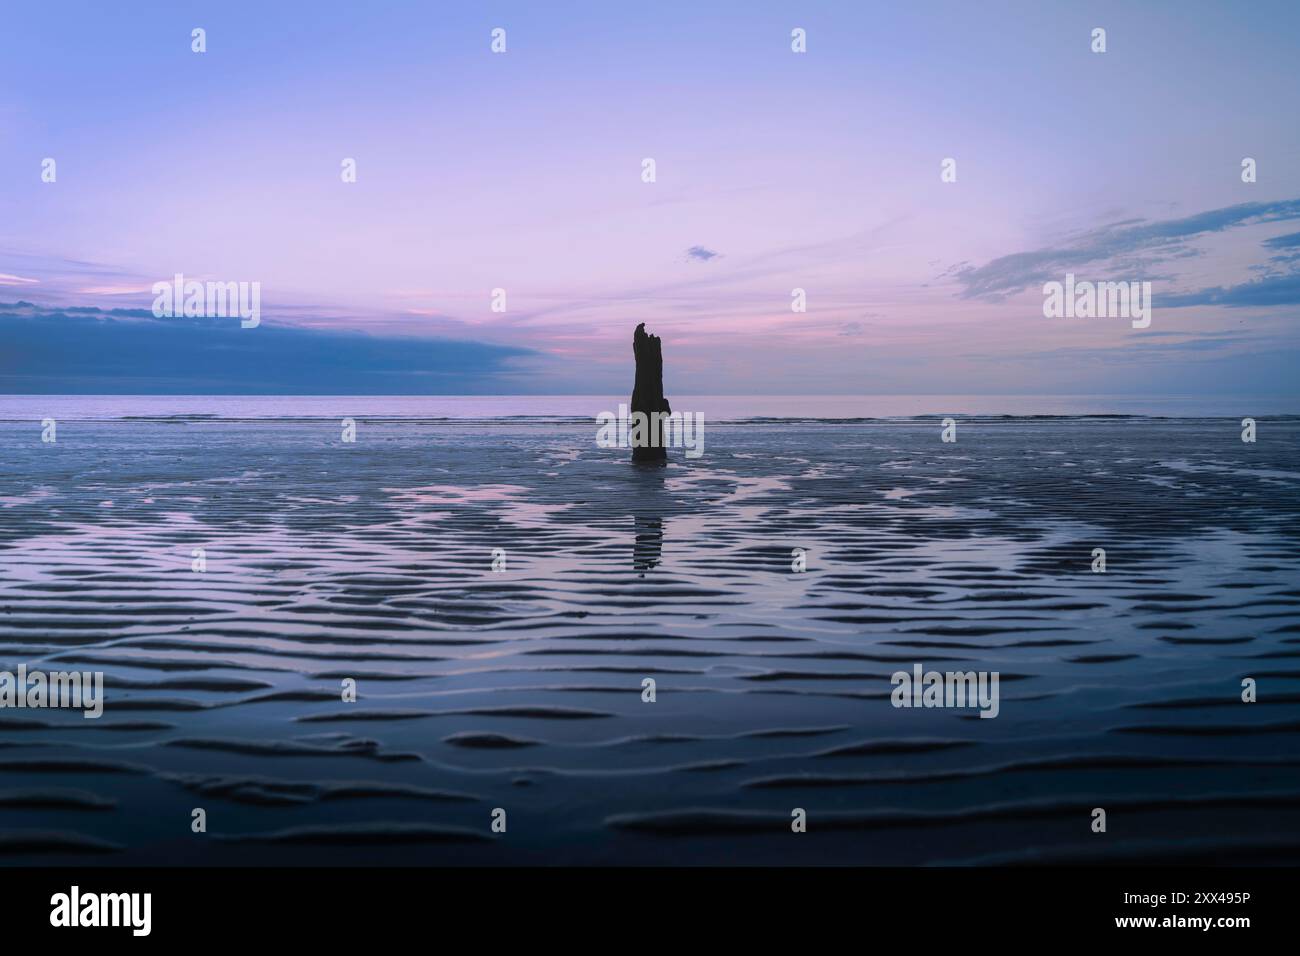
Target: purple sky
[(775, 170)]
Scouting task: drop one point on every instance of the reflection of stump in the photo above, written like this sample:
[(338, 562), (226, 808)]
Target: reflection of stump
[(648, 546), (648, 391)]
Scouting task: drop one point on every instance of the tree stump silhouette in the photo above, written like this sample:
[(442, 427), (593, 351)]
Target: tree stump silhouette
[(648, 392)]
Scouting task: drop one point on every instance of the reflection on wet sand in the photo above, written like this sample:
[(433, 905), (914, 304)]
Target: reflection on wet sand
[(648, 519), (649, 545)]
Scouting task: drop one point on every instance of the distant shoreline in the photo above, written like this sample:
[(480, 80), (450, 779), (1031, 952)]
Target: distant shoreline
[(583, 409)]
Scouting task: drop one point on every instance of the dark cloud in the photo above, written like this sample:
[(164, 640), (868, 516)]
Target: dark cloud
[(1290, 241), (1270, 291), (128, 351), (701, 254), (1136, 241)]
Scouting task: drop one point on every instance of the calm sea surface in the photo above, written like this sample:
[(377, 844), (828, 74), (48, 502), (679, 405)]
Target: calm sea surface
[(715, 408)]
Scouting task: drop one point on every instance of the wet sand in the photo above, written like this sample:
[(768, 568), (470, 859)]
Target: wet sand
[(521, 689)]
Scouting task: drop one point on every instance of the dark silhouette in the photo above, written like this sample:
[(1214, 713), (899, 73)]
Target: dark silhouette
[(648, 543), (648, 391)]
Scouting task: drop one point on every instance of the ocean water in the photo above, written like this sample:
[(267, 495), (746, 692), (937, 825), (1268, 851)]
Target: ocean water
[(578, 409), (521, 689)]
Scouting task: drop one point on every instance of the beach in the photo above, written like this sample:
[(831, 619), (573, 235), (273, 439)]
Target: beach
[(499, 589)]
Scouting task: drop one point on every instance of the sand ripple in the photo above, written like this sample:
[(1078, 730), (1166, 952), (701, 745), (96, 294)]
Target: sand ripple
[(521, 689)]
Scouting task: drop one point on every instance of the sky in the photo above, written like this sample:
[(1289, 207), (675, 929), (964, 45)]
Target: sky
[(774, 171)]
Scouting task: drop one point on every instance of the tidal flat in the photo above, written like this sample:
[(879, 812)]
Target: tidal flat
[(499, 592)]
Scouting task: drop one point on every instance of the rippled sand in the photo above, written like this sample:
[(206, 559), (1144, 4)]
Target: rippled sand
[(522, 689)]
